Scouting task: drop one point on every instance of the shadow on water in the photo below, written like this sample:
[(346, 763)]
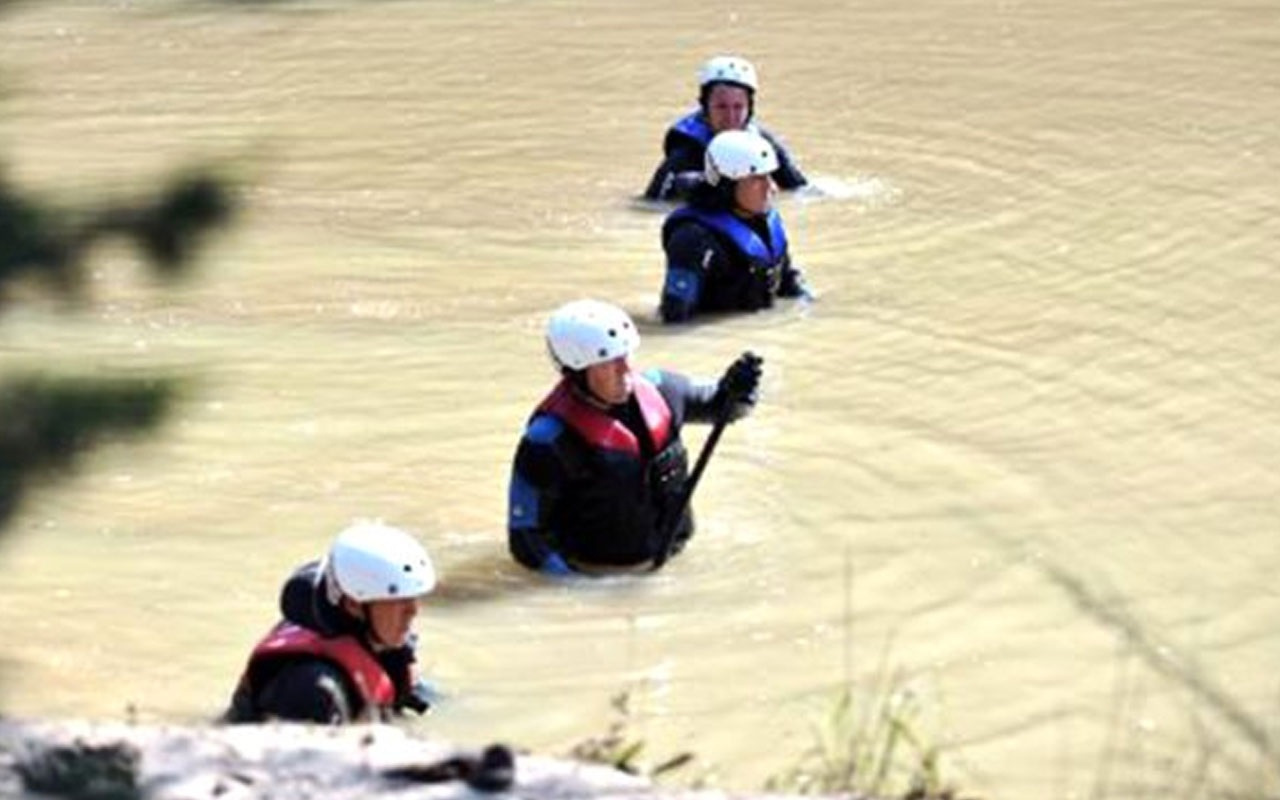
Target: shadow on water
[(823, 188), (496, 579), (783, 312), (484, 579), (650, 325), (647, 206)]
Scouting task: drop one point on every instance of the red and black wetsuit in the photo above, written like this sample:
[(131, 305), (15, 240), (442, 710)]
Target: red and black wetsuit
[(591, 487), (317, 665)]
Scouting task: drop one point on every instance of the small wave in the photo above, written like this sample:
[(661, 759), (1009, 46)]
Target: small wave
[(866, 189)]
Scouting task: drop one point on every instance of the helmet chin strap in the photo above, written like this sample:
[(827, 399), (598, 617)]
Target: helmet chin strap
[(370, 633), (364, 619)]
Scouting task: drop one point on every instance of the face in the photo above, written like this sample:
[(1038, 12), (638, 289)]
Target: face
[(728, 107), (610, 380), (754, 194), (390, 620)]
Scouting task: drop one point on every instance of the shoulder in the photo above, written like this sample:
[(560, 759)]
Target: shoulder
[(685, 227), (297, 595), (692, 126), (544, 429), (546, 450), (788, 175)]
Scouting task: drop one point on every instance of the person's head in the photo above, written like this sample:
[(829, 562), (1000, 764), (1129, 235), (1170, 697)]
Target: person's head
[(591, 343), (739, 166), (727, 92), (377, 574)]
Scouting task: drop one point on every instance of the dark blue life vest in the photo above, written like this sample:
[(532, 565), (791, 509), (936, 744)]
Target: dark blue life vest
[(693, 127), (748, 244), (745, 279)]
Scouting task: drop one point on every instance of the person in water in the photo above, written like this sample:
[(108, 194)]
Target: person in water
[(726, 102), (344, 651), (726, 248), (598, 477)]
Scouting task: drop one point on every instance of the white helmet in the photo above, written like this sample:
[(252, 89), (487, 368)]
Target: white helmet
[(728, 69), (373, 561), (587, 332), (739, 154)]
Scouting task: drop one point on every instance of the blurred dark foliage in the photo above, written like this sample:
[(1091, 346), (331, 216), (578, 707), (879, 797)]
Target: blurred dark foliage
[(46, 422), (43, 240)]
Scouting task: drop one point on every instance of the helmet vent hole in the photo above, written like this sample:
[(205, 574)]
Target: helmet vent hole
[(603, 352), (613, 334), (393, 589), (408, 568)]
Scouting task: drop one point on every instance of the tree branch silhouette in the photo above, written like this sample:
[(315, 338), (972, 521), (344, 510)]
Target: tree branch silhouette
[(46, 423)]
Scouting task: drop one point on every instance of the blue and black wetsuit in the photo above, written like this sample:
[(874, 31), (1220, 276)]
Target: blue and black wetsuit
[(596, 488), (718, 260), (684, 151)]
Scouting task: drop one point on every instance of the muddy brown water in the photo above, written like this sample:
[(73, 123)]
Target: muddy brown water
[(1021, 457)]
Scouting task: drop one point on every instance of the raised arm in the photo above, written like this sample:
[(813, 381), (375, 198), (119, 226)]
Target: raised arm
[(676, 176), (703, 399)]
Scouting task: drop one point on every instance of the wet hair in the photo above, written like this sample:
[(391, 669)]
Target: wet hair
[(577, 377), (704, 96)]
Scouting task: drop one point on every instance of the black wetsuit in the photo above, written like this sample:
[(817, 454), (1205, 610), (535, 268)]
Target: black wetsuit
[(315, 686), (591, 488), (718, 260)]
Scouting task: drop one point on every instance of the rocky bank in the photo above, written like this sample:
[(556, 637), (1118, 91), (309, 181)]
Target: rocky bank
[(119, 761)]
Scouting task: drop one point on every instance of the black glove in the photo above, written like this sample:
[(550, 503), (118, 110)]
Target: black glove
[(738, 387), (684, 184), (675, 186), (794, 285), (419, 697)]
